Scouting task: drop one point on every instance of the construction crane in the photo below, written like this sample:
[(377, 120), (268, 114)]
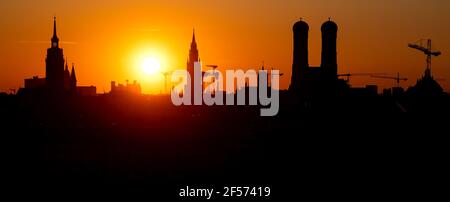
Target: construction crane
[(271, 70), (348, 75), (397, 78), (428, 52), (279, 74)]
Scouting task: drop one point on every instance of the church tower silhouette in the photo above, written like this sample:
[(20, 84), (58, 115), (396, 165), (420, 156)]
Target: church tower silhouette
[(193, 55), (310, 81), (58, 78), (54, 68), (193, 58)]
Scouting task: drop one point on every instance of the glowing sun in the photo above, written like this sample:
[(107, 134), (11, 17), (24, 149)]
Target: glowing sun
[(150, 66)]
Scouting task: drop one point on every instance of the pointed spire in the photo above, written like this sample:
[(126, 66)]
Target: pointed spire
[(193, 51), (73, 81), (67, 80), (73, 76), (193, 43), (54, 26), (193, 36), (67, 66), (55, 39)]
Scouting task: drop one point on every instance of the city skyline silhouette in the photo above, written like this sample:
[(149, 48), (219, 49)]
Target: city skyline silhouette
[(306, 81), (87, 104), (113, 57)]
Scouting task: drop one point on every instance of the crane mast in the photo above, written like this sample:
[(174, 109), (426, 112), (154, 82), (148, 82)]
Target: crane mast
[(428, 52)]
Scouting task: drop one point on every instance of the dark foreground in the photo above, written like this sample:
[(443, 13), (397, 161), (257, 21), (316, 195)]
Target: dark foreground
[(111, 147)]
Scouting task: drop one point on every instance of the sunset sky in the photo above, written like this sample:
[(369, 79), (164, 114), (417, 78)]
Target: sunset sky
[(108, 39)]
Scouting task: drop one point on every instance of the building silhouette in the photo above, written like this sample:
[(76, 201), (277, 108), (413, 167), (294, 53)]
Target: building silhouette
[(426, 86), (118, 89), (193, 56), (58, 79), (190, 66), (329, 54), (54, 64), (86, 91), (35, 83), (192, 59), (315, 81)]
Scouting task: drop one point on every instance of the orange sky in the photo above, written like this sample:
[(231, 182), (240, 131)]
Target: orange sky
[(104, 37)]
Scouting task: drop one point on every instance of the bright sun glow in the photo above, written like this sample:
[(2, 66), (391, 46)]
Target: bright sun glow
[(150, 66), (146, 63)]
